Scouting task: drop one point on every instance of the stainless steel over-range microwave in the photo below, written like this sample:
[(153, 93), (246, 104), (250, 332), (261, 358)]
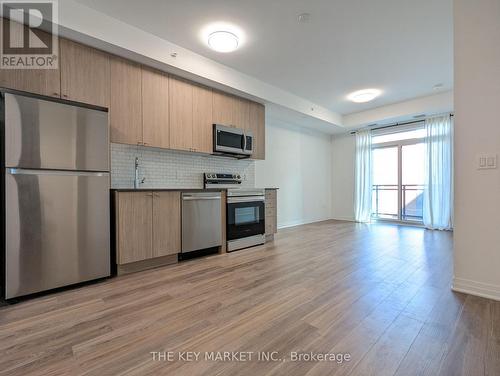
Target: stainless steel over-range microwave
[(234, 141)]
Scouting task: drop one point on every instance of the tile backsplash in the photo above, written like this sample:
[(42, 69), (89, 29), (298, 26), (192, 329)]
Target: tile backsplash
[(171, 169)]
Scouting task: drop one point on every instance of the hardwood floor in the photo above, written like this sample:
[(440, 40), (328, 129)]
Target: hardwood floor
[(379, 293)]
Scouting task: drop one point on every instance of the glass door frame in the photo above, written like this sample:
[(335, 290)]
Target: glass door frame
[(399, 144)]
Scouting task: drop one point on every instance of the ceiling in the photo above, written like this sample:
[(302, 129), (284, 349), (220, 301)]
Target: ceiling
[(403, 47)]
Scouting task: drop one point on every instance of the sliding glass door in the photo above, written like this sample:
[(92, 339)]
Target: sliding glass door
[(412, 181), (398, 176), (385, 196)]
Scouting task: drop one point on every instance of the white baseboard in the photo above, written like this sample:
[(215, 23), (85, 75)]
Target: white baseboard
[(300, 223), (484, 290), (348, 219)]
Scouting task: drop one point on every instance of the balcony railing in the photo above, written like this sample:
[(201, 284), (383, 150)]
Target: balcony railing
[(411, 202)]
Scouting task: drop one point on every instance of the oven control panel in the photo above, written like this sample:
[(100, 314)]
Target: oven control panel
[(219, 180)]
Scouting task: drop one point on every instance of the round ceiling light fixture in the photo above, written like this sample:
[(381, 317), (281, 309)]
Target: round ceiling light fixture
[(363, 96), (222, 36), (223, 41)]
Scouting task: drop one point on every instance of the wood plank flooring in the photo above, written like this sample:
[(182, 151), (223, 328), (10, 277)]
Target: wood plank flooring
[(380, 293)]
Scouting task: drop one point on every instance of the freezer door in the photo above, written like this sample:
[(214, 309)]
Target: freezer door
[(57, 229), (45, 134)]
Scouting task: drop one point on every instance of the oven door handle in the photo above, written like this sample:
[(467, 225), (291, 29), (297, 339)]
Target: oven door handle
[(234, 200)]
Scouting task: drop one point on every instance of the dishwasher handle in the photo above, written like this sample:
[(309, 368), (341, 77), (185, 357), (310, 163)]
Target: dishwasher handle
[(188, 197)]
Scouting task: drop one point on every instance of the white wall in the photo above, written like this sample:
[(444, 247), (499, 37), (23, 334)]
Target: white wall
[(402, 111), (343, 165), (298, 162), (477, 130)]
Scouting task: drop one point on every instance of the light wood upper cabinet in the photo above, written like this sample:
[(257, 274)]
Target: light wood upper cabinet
[(190, 116), (181, 114), (166, 223), (85, 74), (134, 226), (231, 111), (146, 106), (202, 120), (258, 127), (38, 81), (125, 110), (155, 108), (241, 113), (223, 109)]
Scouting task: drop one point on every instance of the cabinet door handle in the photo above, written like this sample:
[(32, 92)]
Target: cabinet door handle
[(149, 194)]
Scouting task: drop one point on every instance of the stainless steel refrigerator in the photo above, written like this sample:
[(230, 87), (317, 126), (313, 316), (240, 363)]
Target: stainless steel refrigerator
[(55, 193)]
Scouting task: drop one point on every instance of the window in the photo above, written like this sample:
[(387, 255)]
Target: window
[(398, 174), (399, 136)]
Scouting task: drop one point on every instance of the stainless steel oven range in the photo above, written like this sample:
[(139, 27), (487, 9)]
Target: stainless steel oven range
[(245, 223), (245, 210)]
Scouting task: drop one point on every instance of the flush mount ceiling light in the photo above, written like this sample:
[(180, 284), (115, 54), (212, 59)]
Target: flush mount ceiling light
[(303, 18), (223, 41), (222, 37), (363, 96)]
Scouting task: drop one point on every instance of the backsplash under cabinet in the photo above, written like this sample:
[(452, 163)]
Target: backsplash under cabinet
[(172, 169)]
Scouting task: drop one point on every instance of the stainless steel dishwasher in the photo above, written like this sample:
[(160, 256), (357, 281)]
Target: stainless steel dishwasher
[(201, 221)]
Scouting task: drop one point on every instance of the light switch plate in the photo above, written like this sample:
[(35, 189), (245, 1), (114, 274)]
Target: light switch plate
[(487, 161)]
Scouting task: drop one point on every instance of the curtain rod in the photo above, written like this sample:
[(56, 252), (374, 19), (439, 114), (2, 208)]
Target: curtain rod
[(396, 124)]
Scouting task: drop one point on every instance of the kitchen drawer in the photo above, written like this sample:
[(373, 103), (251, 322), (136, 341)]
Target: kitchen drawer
[(270, 198), (270, 194), (270, 212), (270, 203), (271, 225)]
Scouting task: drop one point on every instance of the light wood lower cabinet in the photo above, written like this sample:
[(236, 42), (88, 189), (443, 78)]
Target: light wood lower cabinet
[(271, 212), (134, 215), (148, 226), (166, 223)]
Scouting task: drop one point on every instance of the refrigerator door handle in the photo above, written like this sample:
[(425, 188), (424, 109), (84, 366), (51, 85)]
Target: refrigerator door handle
[(24, 171)]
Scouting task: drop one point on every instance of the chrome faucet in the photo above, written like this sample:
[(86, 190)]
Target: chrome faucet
[(137, 181)]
